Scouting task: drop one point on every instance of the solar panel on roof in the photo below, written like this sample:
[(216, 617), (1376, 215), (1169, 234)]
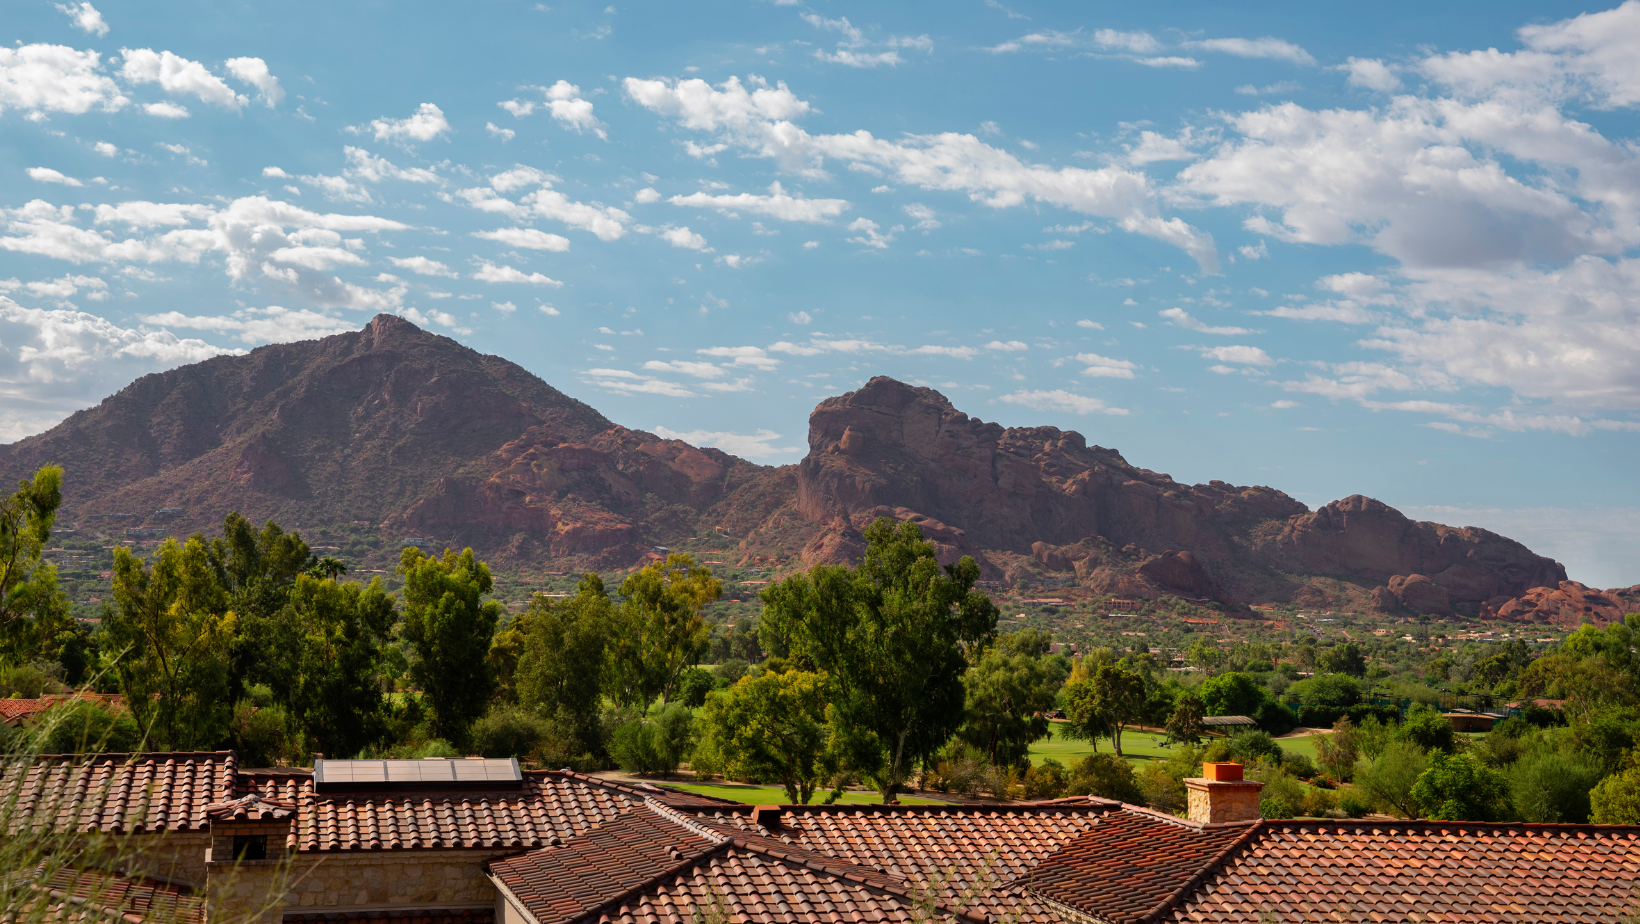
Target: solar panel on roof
[(466, 774)]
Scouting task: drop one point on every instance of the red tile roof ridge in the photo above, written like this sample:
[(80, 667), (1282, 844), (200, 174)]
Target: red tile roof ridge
[(1208, 869), (671, 814), (641, 790), (1410, 823), (1158, 815)]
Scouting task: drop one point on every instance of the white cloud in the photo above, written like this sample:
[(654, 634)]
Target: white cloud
[(1181, 318), (958, 352), (1011, 346), (529, 238), (855, 50), (1104, 367), (777, 204), (166, 110), (1249, 252), (48, 175), (363, 165), (272, 324), (565, 104), (1370, 74), (425, 124), (56, 78), (646, 196), (1090, 325), (491, 272), (761, 122), (697, 370), (424, 266), (316, 258), (254, 71), (85, 18), (800, 317), (62, 287), (520, 177), (1344, 312), (105, 149), (505, 134), (869, 236), (1061, 400), (504, 307), (746, 445), (682, 237), (1273, 48), (1153, 147), (548, 310), (623, 382), (756, 357), (178, 76), (275, 173), (1246, 355)]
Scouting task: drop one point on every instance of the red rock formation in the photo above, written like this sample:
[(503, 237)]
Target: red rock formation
[(1568, 604)]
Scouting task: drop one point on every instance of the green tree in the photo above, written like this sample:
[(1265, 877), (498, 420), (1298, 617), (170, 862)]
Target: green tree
[(449, 627), (1106, 776), (769, 727), (562, 663), (1342, 659), (1335, 689), (659, 632), (170, 632), (33, 611), (1113, 698), (1456, 787), (257, 571), (344, 630), (890, 634), (1389, 779), (1185, 724), (1007, 694), (1426, 727), (1616, 799), (1339, 751), (1232, 693)]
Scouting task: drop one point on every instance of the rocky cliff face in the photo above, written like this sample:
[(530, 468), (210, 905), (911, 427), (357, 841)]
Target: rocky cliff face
[(892, 448), (416, 433)]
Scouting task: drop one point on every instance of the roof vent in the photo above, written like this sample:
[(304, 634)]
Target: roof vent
[(766, 816), (438, 774)]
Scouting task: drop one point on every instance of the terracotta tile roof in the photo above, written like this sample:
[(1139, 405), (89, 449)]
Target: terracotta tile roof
[(567, 883), (1131, 864), (74, 890), (458, 916), (116, 793), (657, 865), (550, 808), (1425, 870), (972, 850), (251, 807), (15, 712)]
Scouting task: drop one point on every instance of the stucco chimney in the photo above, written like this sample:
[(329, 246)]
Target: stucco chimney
[(1221, 794)]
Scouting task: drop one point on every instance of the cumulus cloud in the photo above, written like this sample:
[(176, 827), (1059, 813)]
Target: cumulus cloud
[(48, 175), (1104, 367), (685, 367), (178, 76), (254, 71), (682, 237), (756, 357), (425, 124), (621, 381), (1245, 355), (1181, 318), (491, 272), (272, 324), (424, 266), (777, 204), (1370, 74), (855, 50), (529, 238), (564, 104), (1059, 399), (85, 18), (607, 222), (761, 120), (1010, 346), (56, 78), (166, 110), (755, 445), (1274, 48)]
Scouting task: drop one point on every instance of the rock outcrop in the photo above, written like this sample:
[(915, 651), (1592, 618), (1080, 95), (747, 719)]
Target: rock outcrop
[(1567, 604)]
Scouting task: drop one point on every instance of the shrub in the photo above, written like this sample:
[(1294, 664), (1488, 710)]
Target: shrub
[(1319, 803), (261, 735), (649, 747), (1047, 780), (28, 681), (1282, 796), (80, 727), (1298, 765), (1389, 779), (1549, 786), (1254, 746), (510, 731), (1106, 776), (730, 671), (1616, 801), (1161, 790), (1274, 717), (1352, 805)]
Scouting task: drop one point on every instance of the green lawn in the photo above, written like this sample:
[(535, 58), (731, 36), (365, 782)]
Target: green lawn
[(1137, 746), (774, 795)]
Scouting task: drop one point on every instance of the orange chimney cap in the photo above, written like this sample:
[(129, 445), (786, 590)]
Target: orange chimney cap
[(1222, 772)]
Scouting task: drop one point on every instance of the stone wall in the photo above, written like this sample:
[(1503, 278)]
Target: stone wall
[(375, 880), (1215, 801)]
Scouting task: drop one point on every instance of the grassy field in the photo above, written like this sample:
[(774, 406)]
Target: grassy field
[(1137, 747), (775, 795)]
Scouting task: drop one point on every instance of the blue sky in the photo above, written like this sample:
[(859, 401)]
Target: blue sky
[(1388, 250)]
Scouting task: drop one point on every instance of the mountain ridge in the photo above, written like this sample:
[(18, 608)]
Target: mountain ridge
[(413, 432)]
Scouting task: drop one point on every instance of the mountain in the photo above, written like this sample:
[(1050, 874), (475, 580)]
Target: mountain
[(418, 436)]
